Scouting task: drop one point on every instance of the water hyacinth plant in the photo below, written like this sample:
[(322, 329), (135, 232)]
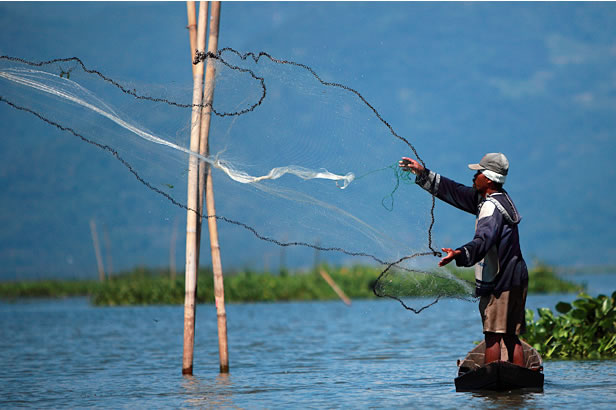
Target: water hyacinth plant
[(585, 329)]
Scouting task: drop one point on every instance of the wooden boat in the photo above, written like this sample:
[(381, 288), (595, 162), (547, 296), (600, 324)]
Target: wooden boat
[(474, 375)]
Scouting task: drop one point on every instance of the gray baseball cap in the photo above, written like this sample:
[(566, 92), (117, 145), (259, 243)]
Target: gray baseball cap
[(493, 165)]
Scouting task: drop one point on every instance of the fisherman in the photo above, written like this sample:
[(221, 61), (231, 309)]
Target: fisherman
[(501, 275)]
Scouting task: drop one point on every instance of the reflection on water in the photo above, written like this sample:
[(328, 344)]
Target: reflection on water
[(216, 392), (508, 399), (66, 353)]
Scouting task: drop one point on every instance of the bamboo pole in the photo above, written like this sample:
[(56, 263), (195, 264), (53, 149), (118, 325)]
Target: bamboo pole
[(316, 254), (108, 255), (282, 268), (192, 250), (97, 250), (192, 31), (172, 245), (192, 34), (335, 287), (205, 179)]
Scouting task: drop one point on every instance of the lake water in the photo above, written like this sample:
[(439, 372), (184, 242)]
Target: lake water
[(66, 353)]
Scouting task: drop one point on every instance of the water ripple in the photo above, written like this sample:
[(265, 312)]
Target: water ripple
[(374, 354)]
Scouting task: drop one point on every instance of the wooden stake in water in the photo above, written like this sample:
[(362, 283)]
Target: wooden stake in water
[(108, 255), (174, 237), (205, 169), (97, 250), (192, 250)]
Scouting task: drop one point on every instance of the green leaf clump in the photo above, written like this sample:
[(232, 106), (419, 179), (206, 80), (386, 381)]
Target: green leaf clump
[(585, 329)]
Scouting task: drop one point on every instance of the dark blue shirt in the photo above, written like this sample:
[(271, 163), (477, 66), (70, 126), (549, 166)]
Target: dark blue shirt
[(495, 248)]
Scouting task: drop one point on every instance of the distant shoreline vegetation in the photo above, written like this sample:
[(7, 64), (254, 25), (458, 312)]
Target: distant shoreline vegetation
[(144, 286)]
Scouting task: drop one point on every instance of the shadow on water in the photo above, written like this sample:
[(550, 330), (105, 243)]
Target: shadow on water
[(211, 393)]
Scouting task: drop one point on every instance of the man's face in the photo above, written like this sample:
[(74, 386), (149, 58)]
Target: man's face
[(481, 182)]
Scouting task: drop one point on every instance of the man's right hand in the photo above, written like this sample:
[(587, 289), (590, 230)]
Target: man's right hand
[(451, 255), (408, 164)]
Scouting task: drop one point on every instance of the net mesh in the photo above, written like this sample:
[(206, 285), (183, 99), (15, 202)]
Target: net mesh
[(298, 162)]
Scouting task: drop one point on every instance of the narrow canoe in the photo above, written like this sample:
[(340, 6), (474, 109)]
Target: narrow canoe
[(474, 375)]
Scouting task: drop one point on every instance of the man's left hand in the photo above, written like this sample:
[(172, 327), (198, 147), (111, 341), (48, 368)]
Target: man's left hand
[(451, 255)]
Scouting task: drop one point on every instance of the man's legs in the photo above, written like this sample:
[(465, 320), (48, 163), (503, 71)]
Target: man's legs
[(493, 347), (514, 348)]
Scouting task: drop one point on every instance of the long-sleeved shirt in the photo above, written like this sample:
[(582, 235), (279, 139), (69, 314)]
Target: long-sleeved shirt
[(495, 249)]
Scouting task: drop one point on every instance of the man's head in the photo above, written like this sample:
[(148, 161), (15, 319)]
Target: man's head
[(494, 166), (492, 169)]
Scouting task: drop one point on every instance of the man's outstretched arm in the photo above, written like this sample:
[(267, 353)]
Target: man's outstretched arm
[(455, 194)]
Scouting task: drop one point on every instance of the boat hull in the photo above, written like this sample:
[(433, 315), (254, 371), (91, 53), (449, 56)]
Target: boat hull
[(500, 376), (474, 374)]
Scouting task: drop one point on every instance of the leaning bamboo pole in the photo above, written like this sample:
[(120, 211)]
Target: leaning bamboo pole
[(205, 169), (335, 287), (192, 204)]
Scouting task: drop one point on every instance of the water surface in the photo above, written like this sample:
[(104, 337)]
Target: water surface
[(66, 353)]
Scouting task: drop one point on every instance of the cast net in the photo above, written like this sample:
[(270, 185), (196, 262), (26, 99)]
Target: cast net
[(299, 162)]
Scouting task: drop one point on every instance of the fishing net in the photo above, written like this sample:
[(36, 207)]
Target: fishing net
[(299, 162)]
